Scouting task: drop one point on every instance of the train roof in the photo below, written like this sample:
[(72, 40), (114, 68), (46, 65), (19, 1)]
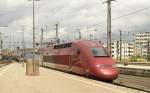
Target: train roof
[(78, 42)]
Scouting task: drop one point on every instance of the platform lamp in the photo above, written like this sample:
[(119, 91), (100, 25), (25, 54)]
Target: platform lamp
[(33, 2)]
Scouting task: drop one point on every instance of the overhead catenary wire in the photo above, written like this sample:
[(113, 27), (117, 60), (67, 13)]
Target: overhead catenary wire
[(125, 15), (131, 13)]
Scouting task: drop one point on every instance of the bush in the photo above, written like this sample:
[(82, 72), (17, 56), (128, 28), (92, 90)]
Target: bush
[(148, 57), (133, 59)]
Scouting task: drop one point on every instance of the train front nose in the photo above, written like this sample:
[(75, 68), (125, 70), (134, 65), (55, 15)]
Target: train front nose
[(107, 73)]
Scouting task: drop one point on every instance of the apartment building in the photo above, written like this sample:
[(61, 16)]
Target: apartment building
[(141, 43), (124, 52)]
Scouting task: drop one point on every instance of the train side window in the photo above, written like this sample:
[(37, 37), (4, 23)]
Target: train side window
[(54, 47), (59, 46), (66, 45), (78, 52), (63, 45)]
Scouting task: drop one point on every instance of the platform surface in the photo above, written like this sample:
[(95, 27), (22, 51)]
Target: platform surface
[(134, 66), (14, 80)]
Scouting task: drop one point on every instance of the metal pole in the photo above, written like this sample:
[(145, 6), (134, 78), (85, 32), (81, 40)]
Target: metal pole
[(141, 51), (129, 43), (33, 38), (148, 50), (1, 45), (23, 42), (129, 51), (90, 37), (42, 37), (1, 41), (120, 45), (109, 38), (57, 37), (42, 44), (79, 34), (117, 49), (108, 25), (124, 46)]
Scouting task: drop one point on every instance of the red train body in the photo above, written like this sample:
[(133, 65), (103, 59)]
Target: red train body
[(81, 57)]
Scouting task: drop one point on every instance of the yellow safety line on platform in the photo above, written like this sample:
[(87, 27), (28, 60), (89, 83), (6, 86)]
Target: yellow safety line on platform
[(3, 71)]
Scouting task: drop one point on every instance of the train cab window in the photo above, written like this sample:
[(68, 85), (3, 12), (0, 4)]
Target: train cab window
[(99, 52)]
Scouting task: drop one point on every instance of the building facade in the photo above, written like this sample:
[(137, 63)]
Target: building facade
[(141, 43), (124, 52)]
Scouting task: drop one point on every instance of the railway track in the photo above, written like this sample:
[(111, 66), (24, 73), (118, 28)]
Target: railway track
[(135, 63), (121, 82), (4, 63), (132, 86), (134, 82)]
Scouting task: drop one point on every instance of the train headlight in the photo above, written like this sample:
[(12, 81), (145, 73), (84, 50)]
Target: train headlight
[(114, 65), (100, 65), (106, 66)]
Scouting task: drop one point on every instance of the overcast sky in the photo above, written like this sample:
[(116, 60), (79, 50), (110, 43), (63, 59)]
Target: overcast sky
[(86, 15)]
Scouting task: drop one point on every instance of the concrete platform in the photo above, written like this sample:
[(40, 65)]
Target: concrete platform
[(143, 71), (14, 80)]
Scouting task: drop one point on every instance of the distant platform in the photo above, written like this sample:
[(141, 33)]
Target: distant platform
[(14, 80), (136, 70), (134, 66)]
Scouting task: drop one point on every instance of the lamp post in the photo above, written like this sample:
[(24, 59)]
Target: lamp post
[(23, 41), (42, 40), (90, 35), (33, 2), (80, 37), (93, 35)]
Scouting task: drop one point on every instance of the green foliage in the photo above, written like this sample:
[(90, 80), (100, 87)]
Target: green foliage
[(137, 59), (133, 59), (148, 57)]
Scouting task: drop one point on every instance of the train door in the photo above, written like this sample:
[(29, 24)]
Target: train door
[(71, 61), (76, 62)]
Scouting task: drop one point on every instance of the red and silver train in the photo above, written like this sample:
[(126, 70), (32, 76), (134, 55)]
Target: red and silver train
[(85, 57)]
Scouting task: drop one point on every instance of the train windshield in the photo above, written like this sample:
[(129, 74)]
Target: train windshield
[(99, 52)]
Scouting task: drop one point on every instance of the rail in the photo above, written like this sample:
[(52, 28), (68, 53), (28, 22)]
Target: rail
[(135, 71), (135, 63), (117, 83), (133, 86), (4, 63)]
